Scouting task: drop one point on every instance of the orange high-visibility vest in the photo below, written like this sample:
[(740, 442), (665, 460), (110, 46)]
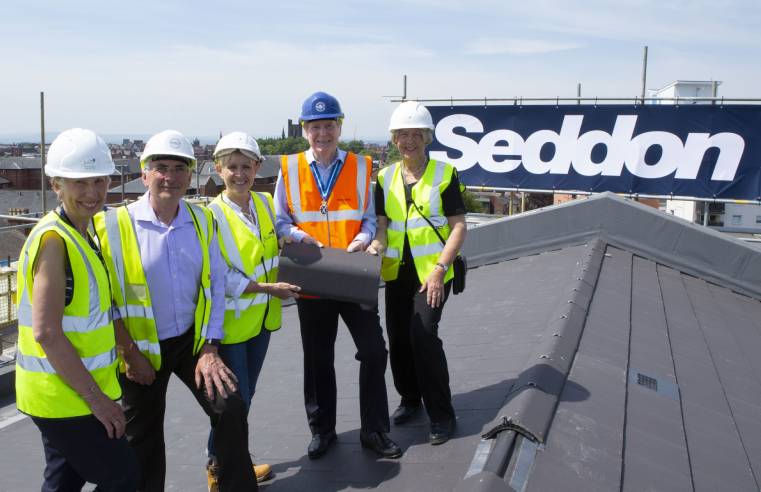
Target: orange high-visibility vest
[(340, 223)]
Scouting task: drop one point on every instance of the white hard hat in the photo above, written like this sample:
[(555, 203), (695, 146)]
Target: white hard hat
[(238, 141), (170, 143), (79, 153), (410, 114)]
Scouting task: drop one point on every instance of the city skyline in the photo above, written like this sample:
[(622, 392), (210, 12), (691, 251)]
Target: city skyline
[(138, 68)]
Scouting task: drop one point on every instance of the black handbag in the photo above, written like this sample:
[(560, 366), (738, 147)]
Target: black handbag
[(459, 264)]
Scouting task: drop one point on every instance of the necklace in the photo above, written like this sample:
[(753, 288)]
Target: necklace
[(410, 175)]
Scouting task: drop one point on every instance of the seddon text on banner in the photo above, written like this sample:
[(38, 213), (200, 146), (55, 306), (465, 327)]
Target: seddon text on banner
[(701, 151)]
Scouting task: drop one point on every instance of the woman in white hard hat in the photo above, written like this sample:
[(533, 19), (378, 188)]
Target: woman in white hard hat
[(421, 227), (66, 365), (247, 240)]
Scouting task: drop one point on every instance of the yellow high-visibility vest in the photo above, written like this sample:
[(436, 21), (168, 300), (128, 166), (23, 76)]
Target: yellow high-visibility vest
[(86, 323), (257, 259), (404, 219), (118, 239)]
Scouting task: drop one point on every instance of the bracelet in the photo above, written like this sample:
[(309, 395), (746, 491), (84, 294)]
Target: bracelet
[(442, 266)]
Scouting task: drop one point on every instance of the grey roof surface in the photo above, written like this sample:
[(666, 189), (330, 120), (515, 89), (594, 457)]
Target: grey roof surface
[(132, 165), (134, 186), (269, 168), (698, 429), (590, 364), (29, 199), (20, 162)]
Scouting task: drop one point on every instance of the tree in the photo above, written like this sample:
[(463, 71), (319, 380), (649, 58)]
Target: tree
[(471, 204), (281, 146), (356, 146), (393, 154)]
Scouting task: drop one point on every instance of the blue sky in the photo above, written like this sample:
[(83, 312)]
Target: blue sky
[(201, 67)]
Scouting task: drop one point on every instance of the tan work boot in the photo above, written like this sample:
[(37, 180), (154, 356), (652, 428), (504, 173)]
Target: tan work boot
[(212, 477), (263, 472)]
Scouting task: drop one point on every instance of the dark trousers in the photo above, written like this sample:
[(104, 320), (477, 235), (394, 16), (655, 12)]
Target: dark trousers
[(78, 450), (418, 361), (319, 327), (144, 407)]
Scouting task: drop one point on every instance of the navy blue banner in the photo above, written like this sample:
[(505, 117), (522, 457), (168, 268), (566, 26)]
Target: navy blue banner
[(701, 151)]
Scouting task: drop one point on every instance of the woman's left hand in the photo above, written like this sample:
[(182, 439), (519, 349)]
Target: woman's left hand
[(434, 287)]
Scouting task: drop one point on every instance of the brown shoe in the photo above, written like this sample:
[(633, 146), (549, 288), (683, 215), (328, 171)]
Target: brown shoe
[(263, 472), (212, 477)]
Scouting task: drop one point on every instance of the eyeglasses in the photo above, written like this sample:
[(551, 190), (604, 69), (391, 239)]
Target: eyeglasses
[(164, 169)]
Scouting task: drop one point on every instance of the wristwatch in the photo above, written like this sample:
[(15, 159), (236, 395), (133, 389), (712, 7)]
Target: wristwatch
[(214, 341), (442, 266)]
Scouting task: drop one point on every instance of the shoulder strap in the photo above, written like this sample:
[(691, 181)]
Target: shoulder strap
[(410, 200)]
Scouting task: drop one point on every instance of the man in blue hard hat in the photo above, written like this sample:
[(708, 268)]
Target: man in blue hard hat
[(323, 197)]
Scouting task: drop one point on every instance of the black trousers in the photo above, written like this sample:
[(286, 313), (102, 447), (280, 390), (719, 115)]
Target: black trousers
[(418, 361), (144, 407), (319, 327), (78, 450)]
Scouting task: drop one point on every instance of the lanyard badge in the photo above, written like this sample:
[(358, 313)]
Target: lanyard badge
[(325, 188)]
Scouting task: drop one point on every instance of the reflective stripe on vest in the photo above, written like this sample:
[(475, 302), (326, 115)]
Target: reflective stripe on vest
[(74, 324), (204, 229), (341, 218), (405, 219), (86, 323), (138, 319), (247, 314), (41, 364)]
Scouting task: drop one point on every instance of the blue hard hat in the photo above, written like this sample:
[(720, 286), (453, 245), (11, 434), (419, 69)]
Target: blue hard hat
[(320, 106)]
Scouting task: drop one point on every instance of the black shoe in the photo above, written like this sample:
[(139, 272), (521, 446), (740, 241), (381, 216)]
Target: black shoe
[(320, 443), (404, 413), (441, 432), (380, 443)]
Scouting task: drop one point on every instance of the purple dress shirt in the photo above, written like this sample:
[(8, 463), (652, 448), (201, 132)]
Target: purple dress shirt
[(171, 257)]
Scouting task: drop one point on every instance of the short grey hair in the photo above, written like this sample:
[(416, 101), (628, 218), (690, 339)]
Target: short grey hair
[(427, 135)]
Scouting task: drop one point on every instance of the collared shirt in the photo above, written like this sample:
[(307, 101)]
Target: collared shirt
[(284, 223), (235, 280), (171, 257)]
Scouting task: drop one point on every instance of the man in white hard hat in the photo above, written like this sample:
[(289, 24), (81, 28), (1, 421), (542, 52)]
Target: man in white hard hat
[(168, 282)]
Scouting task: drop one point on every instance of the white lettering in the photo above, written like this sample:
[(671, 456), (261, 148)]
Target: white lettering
[(671, 154), (447, 137), (571, 150), (488, 150), (730, 145), (563, 142), (615, 146)]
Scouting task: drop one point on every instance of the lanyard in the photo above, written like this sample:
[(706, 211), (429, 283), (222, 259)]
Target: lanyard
[(325, 188), (90, 240)]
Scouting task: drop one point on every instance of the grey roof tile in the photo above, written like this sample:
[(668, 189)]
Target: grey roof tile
[(643, 473)]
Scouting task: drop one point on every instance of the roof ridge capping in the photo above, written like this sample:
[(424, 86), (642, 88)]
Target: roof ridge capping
[(626, 224), (533, 398), (531, 402)]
